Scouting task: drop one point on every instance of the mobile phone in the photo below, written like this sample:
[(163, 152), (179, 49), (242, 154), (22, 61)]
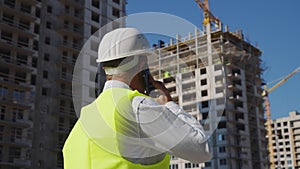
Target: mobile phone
[(148, 85), (100, 80)]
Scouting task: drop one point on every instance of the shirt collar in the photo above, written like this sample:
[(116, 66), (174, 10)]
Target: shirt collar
[(115, 84)]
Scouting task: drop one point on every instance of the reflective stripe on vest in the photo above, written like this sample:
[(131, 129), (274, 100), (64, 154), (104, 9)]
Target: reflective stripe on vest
[(92, 143)]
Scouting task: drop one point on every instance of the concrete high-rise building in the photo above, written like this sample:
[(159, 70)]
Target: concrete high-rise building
[(18, 65), (64, 28), (40, 42), (218, 75), (286, 141)]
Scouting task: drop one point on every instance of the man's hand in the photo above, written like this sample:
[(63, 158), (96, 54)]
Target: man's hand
[(162, 99), (164, 94)]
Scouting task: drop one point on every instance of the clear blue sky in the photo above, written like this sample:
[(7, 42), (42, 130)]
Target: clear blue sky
[(273, 25)]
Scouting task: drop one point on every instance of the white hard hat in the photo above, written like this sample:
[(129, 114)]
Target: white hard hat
[(121, 43)]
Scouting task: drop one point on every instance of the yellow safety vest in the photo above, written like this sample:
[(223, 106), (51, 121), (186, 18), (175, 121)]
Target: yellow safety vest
[(92, 143)]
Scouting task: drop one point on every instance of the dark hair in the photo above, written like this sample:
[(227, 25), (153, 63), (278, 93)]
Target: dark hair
[(117, 62)]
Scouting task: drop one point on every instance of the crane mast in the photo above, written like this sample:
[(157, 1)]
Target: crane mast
[(265, 94)]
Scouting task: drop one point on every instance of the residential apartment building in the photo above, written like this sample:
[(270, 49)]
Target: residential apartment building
[(286, 141), (217, 76), (18, 65), (40, 42)]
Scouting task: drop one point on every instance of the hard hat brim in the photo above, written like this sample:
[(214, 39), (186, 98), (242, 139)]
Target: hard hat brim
[(147, 52)]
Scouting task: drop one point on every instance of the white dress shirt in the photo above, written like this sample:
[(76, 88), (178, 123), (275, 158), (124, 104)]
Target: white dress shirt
[(162, 129)]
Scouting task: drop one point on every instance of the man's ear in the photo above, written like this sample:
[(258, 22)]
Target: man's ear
[(143, 64)]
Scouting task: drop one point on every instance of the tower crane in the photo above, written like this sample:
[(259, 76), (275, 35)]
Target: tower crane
[(265, 94), (208, 16), (208, 20)]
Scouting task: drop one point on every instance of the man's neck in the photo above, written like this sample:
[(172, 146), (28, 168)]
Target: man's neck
[(123, 79), (135, 83)]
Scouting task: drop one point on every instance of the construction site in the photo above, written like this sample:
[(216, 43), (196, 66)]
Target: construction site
[(201, 71), (214, 74)]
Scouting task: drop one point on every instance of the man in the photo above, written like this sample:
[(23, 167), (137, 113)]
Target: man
[(124, 128)]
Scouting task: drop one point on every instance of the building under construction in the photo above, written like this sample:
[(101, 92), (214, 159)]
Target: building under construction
[(217, 75), (286, 141), (39, 44)]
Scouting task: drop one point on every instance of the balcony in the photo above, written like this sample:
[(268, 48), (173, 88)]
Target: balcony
[(8, 3), (237, 98), (22, 162), (66, 29), (189, 90), (167, 65), (187, 79), (24, 142), (74, 47), (157, 76), (171, 84), (234, 76), (241, 109), (17, 122), (10, 7), (188, 70), (297, 144), (238, 108), (19, 63), (231, 119), (66, 76), (31, 2), (11, 140), (296, 126), (219, 95), (154, 65), (7, 42), (219, 73), (26, 103), (63, 130), (66, 93), (235, 86), (71, 16), (192, 111), (75, 3), (242, 121), (164, 53), (19, 27), (68, 61), (15, 81), (296, 132), (24, 122), (189, 101), (65, 111), (174, 94), (188, 58)]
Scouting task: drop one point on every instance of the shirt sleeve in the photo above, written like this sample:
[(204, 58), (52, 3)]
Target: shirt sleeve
[(171, 129)]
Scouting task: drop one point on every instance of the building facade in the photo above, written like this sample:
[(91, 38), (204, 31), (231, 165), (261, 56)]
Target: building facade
[(18, 66), (40, 42), (286, 141), (217, 76)]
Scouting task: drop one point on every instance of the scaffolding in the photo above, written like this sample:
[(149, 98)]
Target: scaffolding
[(207, 72)]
